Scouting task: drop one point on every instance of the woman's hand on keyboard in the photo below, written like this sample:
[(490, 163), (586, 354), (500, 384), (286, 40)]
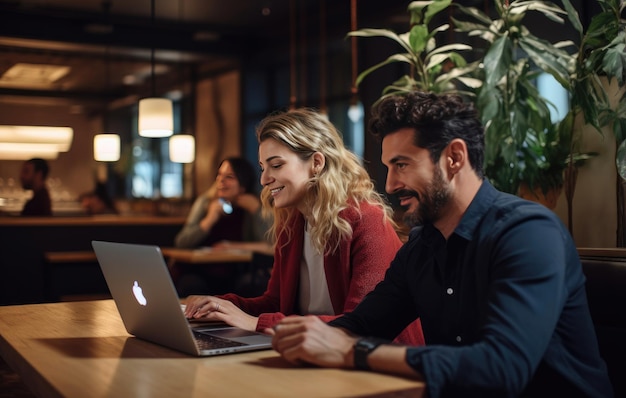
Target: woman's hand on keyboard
[(216, 309)]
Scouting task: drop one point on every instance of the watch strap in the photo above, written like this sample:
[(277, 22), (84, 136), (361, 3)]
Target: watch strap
[(362, 348)]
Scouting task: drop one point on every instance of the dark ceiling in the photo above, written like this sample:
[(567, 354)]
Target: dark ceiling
[(106, 46)]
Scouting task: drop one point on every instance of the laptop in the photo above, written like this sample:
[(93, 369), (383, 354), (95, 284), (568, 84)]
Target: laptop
[(141, 286)]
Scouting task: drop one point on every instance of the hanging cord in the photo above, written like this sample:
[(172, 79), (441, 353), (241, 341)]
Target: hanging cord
[(152, 18), (292, 54), (353, 27), (303, 54), (323, 72)]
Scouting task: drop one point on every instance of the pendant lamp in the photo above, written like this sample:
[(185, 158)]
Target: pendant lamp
[(106, 146), (182, 148), (156, 115)]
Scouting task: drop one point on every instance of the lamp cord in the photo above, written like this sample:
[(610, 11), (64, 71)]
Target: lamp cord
[(353, 27), (152, 17)]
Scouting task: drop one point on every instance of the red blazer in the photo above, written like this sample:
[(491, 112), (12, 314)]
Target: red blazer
[(352, 271)]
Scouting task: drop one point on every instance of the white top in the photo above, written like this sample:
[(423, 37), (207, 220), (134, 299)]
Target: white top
[(314, 296)]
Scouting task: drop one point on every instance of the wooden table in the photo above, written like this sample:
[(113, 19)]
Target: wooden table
[(81, 349), (191, 256), (207, 255)]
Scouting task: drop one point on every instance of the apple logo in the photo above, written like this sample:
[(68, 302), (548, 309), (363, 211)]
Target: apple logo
[(139, 294)]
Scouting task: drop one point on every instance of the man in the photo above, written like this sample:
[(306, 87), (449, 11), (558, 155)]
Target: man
[(33, 176), (496, 280)]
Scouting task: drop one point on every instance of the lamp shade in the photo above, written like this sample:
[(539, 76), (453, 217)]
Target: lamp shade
[(106, 147), (156, 117), (182, 148), (27, 150), (25, 142)]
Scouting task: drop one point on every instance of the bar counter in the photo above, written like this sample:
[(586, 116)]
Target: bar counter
[(26, 275)]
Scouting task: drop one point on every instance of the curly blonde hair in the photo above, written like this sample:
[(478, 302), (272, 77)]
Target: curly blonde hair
[(342, 183)]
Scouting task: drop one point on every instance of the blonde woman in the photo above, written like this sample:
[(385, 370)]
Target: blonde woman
[(333, 232)]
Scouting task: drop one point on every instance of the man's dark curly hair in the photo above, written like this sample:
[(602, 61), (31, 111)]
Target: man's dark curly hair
[(436, 120)]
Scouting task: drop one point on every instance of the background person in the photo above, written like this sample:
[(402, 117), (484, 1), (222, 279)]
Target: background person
[(333, 231), (98, 201), (33, 177), (496, 280), (239, 225)]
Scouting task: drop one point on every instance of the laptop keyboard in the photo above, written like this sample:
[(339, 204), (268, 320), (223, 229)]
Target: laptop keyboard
[(209, 342)]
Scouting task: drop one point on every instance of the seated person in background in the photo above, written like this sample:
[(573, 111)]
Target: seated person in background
[(334, 234), (496, 280), (33, 176), (228, 215), (98, 201)]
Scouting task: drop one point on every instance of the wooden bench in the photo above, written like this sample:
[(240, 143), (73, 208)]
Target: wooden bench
[(605, 270)]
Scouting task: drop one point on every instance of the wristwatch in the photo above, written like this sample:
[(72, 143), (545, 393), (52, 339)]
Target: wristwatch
[(362, 348)]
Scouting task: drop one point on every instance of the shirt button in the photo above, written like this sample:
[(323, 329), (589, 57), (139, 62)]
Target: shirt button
[(458, 339), (449, 291)]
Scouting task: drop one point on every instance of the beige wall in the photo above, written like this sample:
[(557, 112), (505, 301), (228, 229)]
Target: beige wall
[(595, 199), (218, 126)]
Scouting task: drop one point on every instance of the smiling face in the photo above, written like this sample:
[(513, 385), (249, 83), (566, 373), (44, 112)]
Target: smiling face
[(285, 174), (228, 186), (414, 178)]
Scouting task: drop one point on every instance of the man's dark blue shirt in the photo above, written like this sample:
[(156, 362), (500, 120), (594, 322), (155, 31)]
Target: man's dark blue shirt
[(502, 304)]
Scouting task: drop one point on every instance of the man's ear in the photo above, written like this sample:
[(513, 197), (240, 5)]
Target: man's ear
[(456, 155)]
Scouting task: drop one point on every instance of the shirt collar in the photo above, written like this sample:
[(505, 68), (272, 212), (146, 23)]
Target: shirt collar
[(479, 206)]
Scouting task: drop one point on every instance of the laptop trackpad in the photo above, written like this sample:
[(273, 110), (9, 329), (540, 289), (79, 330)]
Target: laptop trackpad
[(236, 334)]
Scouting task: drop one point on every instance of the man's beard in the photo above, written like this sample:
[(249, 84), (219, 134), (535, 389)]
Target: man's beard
[(428, 210)]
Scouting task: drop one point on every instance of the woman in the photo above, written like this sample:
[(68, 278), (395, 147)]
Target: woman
[(333, 232), (228, 215)]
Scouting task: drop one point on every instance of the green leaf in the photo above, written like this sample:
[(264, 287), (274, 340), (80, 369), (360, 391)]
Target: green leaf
[(545, 7), (573, 17), (464, 26), (435, 8), (476, 14), (451, 47), (416, 10), (614, 63), (497, 59), (471, 82), (548, 58), (418, 38), (382, 33), (393, 58)]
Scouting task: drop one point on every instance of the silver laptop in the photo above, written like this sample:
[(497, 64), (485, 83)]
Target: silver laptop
[(140, 284)]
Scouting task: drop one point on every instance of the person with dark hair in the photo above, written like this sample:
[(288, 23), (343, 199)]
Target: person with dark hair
[(98, 201), (227, 215), (33, 177), (496, 280)]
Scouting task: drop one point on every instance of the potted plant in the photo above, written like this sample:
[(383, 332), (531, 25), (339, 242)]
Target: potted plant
[(601, 53), (431, 68), (524, 150)]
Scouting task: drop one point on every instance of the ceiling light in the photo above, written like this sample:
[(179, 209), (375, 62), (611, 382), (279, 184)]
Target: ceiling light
[(58, 137), (106, 147), (27, 150), (182, 148), (33, 74), (156, 115)]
